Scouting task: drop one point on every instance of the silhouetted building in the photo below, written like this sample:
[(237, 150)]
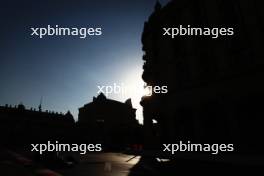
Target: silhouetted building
[(215, 89), (110, 122), (21, 126)]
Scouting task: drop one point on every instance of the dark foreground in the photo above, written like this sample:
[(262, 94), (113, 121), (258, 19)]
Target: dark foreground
[(116, 164)]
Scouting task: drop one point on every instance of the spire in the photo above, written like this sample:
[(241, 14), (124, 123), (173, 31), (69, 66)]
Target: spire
[(128, 102), (158, 6), (101, 96), (40, 105), (69, 116)]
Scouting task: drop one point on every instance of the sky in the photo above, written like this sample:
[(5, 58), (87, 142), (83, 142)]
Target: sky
[(66, 71)]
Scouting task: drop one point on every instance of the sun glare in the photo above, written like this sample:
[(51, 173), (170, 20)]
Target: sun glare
[(147, 91), (136, 90)]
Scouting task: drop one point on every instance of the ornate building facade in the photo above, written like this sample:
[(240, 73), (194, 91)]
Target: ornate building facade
[(110, 122), (21, 127), (215, 88)]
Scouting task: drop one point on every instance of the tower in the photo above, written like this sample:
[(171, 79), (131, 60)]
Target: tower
[(40, 105)]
